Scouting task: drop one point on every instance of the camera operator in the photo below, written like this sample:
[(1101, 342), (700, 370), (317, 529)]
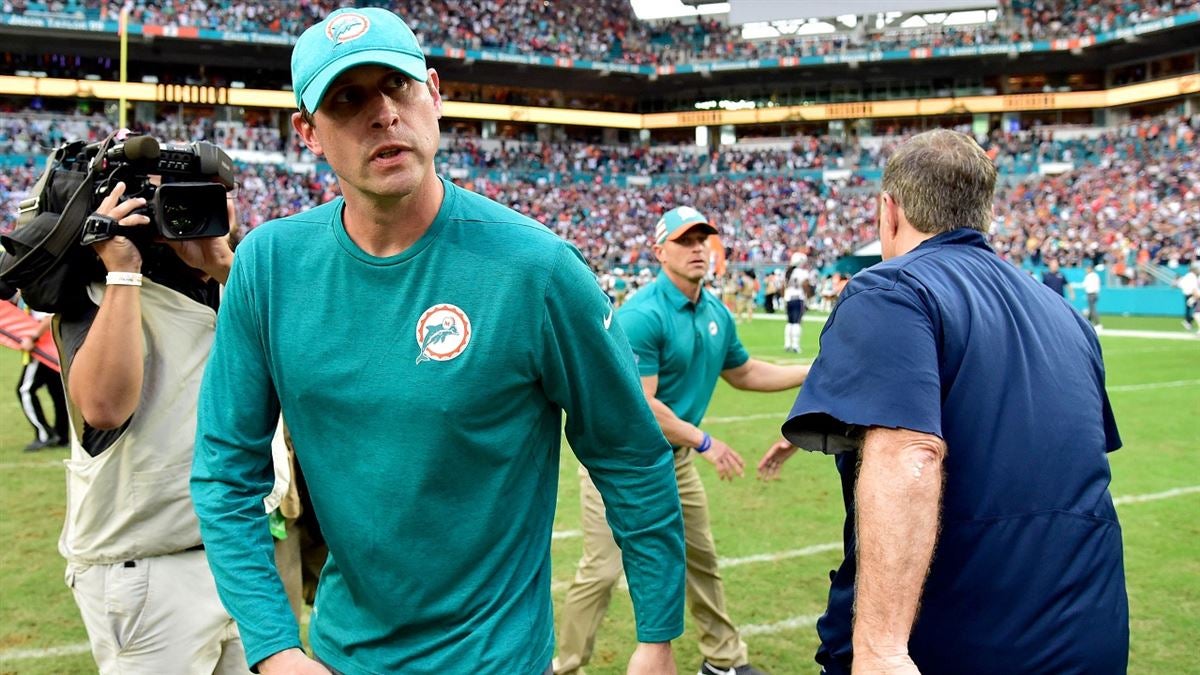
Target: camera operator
[(132, 361)]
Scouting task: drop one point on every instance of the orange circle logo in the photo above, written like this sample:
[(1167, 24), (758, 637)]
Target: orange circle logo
[(346, 27), (443, 332)]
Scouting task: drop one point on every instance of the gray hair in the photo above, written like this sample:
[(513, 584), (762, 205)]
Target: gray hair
[(943, 180)]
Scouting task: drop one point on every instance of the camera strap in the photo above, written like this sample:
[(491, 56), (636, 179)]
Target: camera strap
[(28, 209), (66, 233)]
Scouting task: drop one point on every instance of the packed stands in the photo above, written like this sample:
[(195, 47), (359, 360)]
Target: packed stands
[(608, 31), (1133, 200)]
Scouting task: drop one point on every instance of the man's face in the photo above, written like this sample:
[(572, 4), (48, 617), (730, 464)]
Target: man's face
[(1053, 265), (378, 129), (687, 256)]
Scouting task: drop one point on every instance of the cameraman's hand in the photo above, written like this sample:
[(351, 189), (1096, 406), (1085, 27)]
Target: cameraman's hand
[(729, 464), (119, 254), (211, 255)]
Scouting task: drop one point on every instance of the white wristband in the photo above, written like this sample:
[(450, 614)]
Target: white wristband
[(123, 279)]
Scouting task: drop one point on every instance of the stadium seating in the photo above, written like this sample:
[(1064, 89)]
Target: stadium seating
[(1132, 200), (608, 31)]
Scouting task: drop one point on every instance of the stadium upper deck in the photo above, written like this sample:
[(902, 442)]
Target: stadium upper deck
[(1032, 46), (606, 32)]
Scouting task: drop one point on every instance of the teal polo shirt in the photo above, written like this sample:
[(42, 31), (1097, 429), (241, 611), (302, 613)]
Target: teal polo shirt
[(686, 344)]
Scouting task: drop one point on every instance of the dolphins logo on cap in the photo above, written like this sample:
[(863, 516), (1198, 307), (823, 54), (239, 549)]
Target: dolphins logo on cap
[(347, 26)]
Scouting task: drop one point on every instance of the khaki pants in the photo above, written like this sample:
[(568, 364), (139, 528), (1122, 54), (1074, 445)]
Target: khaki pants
[(156, 615), (600, 568), (299, 560)]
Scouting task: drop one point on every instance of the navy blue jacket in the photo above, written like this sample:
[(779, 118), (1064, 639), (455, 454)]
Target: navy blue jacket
[(950, 340)]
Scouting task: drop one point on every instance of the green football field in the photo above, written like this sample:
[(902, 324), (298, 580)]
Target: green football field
[(778, 540)]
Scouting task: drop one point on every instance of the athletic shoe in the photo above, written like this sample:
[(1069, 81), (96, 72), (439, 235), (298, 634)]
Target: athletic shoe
[(707, 668), (36, 445)]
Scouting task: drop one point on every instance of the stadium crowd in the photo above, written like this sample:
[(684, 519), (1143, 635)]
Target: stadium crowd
[(608, 30), (27, 132), (1137, 202)]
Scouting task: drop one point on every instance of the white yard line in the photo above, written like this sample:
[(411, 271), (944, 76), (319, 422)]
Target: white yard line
[(794, 623), (1155, 496), (31, 465), (781, 555), (47, 653), (782, 416), (1153, 385), (1149, 334)]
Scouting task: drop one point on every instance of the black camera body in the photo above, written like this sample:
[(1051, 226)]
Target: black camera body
[(48, 256), (187, 203)]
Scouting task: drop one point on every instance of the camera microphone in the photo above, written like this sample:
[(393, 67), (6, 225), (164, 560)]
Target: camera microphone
[(136, 149)]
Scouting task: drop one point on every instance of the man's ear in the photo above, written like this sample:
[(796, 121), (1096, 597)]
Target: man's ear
[(658, 253), (889, 215), (305, 131), (433, 83)]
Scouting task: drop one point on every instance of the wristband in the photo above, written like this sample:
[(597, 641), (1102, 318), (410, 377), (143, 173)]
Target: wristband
[(123, 279), (704, 444)]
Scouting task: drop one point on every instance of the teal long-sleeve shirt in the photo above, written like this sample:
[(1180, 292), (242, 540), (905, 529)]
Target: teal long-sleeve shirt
[(424, 393)]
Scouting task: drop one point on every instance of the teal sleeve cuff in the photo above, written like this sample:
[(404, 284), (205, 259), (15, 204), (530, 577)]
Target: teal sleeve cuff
[(660, 634)]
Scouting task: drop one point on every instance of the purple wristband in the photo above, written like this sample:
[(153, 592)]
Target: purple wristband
[(704, 444)]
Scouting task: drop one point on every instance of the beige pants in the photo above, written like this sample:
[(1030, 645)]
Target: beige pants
[(156, 616), (600, 568)]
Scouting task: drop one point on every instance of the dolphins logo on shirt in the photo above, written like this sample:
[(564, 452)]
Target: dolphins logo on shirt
[(443, 332)]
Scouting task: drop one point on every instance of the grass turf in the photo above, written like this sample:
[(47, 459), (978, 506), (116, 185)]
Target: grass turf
[(1162, 538)]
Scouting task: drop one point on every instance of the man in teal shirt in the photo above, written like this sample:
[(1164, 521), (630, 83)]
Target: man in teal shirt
[(683, 339), (422, 342)]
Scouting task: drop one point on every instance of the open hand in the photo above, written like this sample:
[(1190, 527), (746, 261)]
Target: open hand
[(729, 464), (772, 462)]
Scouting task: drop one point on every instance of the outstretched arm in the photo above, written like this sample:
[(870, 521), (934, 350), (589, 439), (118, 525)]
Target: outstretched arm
[(755, 375), (680, 433)]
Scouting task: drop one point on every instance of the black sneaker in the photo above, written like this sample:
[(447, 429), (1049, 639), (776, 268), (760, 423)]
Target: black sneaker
[(707, 668)]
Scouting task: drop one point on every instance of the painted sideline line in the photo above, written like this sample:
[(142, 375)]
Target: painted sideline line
[(782, 555), (1155, 496), (1153, 385), (57, 464), (802, 621), (781, 416), (793, 623), (566, 534), (1147, 334), (49, 652)]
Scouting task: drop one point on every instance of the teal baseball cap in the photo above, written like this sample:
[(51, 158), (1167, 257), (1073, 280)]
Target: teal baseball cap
[(347, 38), (678, 221)]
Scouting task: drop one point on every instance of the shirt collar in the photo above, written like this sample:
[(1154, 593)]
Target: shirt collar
[(675, 296), (963, 236)]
